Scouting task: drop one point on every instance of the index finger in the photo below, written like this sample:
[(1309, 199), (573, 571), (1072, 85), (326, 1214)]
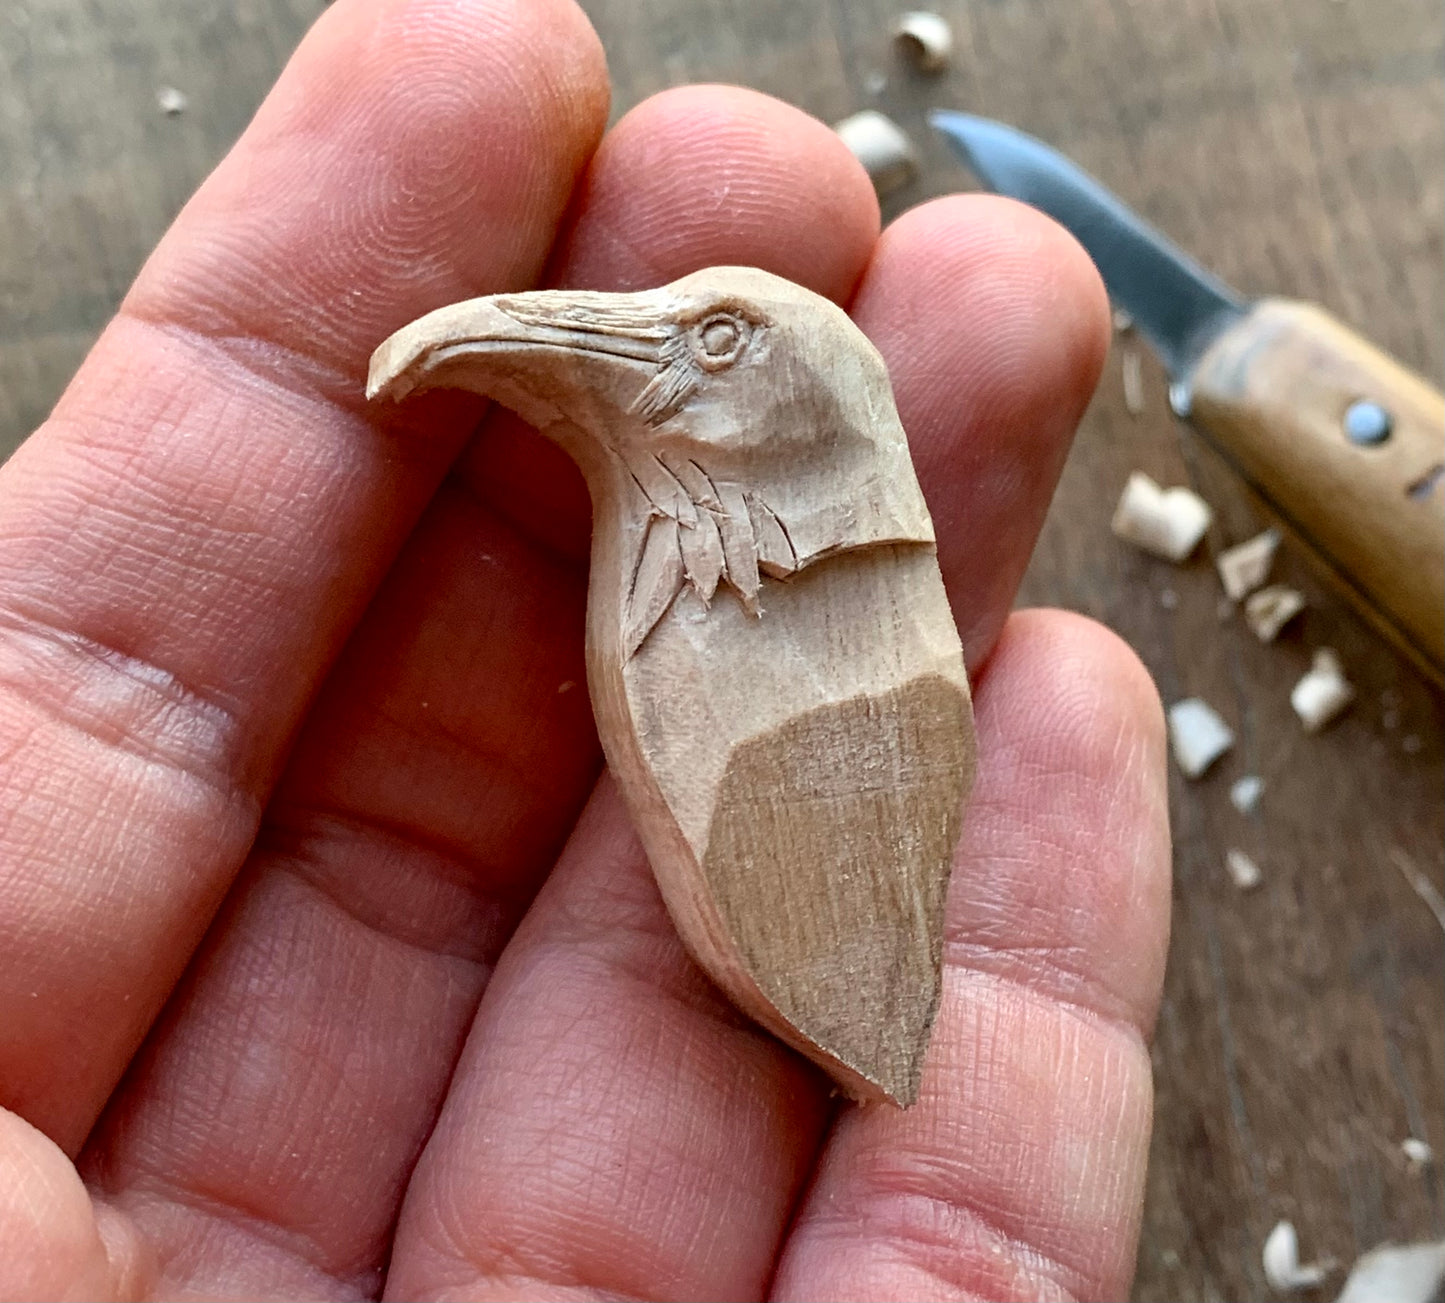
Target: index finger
[(189, 538)]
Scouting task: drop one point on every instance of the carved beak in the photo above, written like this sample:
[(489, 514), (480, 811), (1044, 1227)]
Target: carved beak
[(514, 333)]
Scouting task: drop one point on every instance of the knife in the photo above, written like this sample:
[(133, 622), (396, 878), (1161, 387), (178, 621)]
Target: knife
[(1345, 444)]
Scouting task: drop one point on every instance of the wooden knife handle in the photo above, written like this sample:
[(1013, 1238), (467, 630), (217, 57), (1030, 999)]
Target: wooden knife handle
[(1279, 391)]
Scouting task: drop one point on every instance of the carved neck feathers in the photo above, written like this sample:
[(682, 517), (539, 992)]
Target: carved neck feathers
[(694, 529)]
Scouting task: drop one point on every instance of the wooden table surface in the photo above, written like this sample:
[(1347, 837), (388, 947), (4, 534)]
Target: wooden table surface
[(1293, 145)]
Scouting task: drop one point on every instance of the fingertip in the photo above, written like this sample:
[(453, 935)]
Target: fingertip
[(1068, 290), (578, 81), (411, 153), (701, 175), (1017, 285), (695, 177), (54, 1249), (994, 326), (546, 53), (1091, 669)]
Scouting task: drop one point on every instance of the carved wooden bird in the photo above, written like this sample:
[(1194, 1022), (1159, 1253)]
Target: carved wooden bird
[(776, 676)]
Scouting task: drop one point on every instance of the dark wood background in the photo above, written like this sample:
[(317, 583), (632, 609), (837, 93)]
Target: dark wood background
[(1294, 145)]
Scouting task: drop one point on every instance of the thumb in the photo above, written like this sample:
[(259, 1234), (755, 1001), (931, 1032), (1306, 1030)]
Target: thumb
[(58, 1245)]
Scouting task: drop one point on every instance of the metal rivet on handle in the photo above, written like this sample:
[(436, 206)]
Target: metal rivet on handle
[(1367, 423)]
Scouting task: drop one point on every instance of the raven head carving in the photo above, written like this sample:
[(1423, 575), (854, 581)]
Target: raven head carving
[(794, 747), (738, 425)]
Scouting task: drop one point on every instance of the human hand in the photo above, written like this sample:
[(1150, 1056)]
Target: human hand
[(311, 957)]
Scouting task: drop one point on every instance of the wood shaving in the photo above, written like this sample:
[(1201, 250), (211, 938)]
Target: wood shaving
[(1168, 599), (172, 102), (1167, 522), (1417, 1153), (1244, 793), (1243, 871), (1323, 694), (1396, 1273), (926, 38), (1270, 609), (1282, 1267), (1132, 374), (1123, 322), (1245, 567), (1197, 735), (882, 146)]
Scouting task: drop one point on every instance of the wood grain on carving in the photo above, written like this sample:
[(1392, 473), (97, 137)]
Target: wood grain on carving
[(842, 822), (776, 676)]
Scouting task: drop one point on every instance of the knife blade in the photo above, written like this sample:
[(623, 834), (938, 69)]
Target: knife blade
[(1345, 444)]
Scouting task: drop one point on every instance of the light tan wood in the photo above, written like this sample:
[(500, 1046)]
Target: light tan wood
[(1273, 391), (774, 669)]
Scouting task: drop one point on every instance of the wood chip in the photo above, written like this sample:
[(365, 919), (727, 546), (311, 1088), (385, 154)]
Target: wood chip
[(1323, 694), (1132, 374), (926, 38), (882, 146), (1282, 1267), (1270, 609), (1396, 1273), (1244, 793), (1417, 1153), (1245, 567), (172, 102), (1243, 871), (1197, 735), (1167, 522)]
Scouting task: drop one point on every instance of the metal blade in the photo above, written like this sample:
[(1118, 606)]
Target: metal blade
[(1175, 303)]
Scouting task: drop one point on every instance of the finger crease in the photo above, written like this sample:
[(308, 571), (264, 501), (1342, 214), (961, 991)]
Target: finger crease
[(268, 362), (1090, 1014), (1061, 973), (122, 701), (236, 1216), (925, 1229), (409, 901)]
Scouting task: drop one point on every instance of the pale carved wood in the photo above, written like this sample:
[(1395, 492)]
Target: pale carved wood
[(775, 672)]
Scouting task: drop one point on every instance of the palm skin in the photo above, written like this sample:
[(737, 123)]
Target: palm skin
[(329, 963)]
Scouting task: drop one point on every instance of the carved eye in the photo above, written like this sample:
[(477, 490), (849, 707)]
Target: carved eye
[(720, 340)]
